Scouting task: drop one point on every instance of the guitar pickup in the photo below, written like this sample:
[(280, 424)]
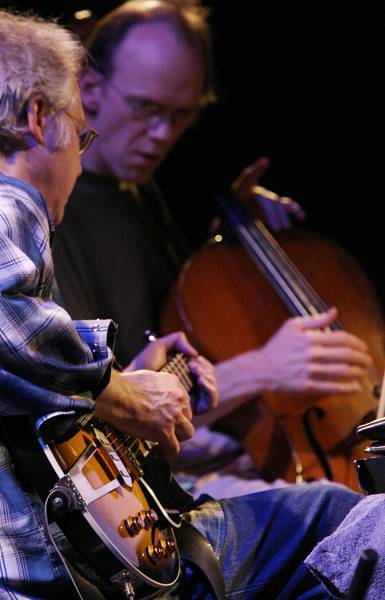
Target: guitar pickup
[(134, 466), (124, 474)]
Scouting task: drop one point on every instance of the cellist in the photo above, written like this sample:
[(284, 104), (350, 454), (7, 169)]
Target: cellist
[(149, 77)]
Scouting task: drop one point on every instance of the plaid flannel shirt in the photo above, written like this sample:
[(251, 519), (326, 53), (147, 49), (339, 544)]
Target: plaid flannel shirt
[(44, 358)]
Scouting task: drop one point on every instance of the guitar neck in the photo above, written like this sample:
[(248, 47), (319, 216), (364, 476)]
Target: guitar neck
[(178, 365), (136, 448)]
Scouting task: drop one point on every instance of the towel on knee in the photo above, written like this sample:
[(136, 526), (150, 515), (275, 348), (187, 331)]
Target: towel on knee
[(335, 559)]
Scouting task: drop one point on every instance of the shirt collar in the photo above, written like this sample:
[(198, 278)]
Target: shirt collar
[(30, 189)]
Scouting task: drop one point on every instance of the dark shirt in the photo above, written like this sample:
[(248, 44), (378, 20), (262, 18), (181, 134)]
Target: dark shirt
[(116, 254)]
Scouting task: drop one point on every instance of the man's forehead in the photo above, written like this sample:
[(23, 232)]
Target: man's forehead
[(153, 61), (150, 44)]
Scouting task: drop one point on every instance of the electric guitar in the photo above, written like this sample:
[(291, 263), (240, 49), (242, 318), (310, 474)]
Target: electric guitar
[(115, 500)]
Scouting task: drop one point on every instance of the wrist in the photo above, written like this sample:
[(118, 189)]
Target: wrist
[(245, 375)]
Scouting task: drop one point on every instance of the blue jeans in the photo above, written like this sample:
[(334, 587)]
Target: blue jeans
[(262, 539)]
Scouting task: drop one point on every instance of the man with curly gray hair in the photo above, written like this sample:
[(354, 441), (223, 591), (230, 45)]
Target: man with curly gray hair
[(42, 59), (45, 357), (39, 67)]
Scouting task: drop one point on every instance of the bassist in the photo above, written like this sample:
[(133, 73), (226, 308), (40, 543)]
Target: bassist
[(49, 362)]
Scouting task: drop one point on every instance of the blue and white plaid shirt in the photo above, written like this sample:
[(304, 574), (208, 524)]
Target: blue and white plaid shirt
[(45, 357)]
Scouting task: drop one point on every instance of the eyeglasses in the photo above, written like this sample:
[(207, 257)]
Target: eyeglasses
[(86, 136), (153, 113)]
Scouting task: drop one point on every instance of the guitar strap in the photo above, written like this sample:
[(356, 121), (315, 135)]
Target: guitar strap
[(194, 548)]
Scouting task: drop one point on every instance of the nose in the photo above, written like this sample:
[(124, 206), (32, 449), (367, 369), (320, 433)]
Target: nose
[(161, 129)]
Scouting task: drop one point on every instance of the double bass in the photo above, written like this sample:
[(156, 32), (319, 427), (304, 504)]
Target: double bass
[(232, 297)]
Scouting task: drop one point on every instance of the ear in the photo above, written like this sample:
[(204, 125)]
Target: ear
[(91, 88), (38, 111)]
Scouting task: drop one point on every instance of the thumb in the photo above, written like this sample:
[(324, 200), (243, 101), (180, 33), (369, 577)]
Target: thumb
[(321, 320), (258, 169)]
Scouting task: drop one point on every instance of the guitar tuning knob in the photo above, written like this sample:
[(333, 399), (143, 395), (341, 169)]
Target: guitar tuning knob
[(150, 336), (168, 547)]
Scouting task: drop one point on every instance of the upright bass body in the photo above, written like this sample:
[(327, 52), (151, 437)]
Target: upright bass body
[(228, 306)]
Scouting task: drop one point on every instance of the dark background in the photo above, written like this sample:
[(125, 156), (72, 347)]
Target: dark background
[(301, 83)]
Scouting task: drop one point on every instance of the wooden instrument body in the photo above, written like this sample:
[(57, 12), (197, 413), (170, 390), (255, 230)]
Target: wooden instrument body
[(109, 513), (227, 306), (115, 500)]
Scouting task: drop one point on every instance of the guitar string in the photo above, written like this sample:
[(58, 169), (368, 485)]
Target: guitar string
[(277, 255), (269, 256), (279, 266), (177, 365), (293, 274)]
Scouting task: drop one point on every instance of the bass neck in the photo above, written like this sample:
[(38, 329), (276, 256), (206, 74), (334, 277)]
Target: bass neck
[(286, 279)]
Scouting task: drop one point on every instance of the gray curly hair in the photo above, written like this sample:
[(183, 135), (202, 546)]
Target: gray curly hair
[(37, 57)]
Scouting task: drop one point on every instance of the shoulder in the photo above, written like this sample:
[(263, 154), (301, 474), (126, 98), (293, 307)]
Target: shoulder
[(22, 217), (15, 206)]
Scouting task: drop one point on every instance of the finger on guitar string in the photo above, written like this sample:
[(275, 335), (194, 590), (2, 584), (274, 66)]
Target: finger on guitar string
[(155, 355), (204, 372), (148, 405)]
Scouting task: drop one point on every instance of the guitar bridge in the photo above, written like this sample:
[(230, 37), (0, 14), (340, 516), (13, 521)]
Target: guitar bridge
[(79, 484)]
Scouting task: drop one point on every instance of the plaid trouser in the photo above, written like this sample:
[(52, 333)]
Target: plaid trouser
[(29, 565)]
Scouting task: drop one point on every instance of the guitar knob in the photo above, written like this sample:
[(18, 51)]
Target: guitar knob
[(168, 547), (149, 517), (133, 525), (163, 549), (153, 553)]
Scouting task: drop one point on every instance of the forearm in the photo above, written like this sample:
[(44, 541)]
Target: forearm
[(303, 357), (50, 353), (20, 396), (239, 378), (112, 402)]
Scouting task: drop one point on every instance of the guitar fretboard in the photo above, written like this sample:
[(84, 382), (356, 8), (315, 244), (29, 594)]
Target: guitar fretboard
[(178, 365), (134, 448)]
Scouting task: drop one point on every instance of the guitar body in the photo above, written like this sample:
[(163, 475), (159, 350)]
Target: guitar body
[(114, 499), (122, 510), (93, 480)]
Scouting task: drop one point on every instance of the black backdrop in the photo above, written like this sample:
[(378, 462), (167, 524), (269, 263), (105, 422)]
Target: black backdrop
[(299, 82)]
